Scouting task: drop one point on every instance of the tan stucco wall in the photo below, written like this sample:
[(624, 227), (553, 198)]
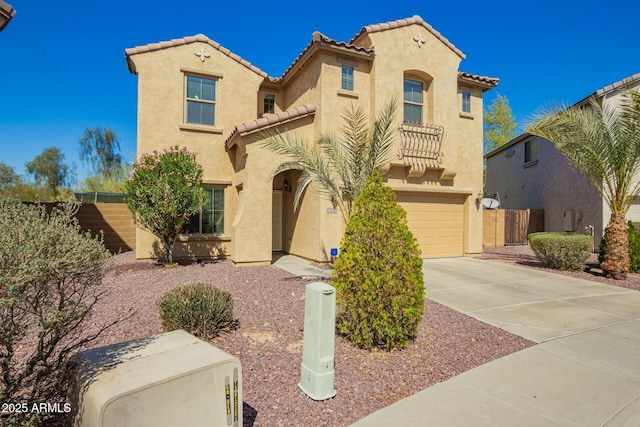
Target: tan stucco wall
[(398, 56), (245, 169)]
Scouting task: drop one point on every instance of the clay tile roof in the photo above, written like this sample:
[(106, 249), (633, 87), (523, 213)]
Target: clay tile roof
[(319, 39), (404, 23), (620, 84), (270, 120), (7, 12), (488, 82), (187, 40)]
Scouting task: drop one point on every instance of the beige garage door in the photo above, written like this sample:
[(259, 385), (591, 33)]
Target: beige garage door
[(437, 222)]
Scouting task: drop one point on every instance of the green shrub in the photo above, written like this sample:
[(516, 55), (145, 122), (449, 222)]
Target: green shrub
[(50, 282), (634, 248), (562, 251), (202, 310), (378, 273)]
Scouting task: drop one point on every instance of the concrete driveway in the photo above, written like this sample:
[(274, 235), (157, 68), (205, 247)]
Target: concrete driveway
[(585, 372), (533, 304)]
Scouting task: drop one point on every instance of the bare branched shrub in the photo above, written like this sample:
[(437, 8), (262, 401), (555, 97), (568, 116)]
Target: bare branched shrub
[(50, 276)]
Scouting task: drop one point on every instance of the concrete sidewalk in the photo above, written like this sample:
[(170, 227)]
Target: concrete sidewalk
[(301, 267), (586, 372)]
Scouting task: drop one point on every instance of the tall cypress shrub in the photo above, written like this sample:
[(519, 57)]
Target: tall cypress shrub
[(378, 273)]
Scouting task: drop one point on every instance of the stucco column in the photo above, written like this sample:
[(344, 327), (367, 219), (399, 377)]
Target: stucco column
[(252, 224)]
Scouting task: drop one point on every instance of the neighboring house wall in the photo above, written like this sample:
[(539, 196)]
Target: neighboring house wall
[(437, 183), (551, 182)]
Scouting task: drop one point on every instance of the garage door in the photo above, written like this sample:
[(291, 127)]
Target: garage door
[(437, 222)]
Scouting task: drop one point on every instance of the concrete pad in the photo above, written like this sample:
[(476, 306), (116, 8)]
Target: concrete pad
[(564, 390), (623, 304), (613, 349), (479, 270), (559, 287), (474, 298), (628, 416), (546, 316), (301, 267), (452, 403)]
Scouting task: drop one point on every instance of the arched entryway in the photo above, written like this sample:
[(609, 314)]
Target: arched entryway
[(283, 215)]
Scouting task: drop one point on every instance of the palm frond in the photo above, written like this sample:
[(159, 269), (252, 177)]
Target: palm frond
[(601, 139)]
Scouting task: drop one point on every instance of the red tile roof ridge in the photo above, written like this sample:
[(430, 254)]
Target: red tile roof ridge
[(404, 22), (271, 119), (318, 38), (151, 47), (491, 81)]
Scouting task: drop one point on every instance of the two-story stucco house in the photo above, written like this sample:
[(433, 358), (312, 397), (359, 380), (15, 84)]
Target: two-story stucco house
[(195, 93), (530, 173)]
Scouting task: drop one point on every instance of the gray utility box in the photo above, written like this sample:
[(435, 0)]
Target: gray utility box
[(170, 379), (318, 372)]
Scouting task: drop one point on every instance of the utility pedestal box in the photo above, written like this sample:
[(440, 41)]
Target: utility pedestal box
[(170, 379), (318, 371)]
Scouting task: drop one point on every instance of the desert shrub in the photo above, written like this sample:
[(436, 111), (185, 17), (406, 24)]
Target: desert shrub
[(50, 274), (634, 248), (562, 251), (202, 310), (378, 273), (163, 191)]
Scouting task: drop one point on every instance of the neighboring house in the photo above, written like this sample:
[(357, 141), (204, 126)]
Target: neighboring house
[(195, 93), (6, 14), (530, 173)]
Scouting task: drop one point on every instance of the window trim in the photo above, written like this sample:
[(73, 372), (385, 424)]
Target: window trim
[(200, 234), (346, 78), (413, 103), (271, 97), (530, 160), (187, 99), (466, 102)]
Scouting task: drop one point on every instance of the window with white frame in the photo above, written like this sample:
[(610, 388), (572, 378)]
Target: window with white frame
[(201, 100), (269, 103), (210, 219), (466, 102), (347, 77), (413, 101)]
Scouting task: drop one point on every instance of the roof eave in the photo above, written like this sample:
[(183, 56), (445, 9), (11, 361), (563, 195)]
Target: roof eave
[(511, 143)]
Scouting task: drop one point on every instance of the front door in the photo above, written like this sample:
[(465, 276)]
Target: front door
[(276, 221)]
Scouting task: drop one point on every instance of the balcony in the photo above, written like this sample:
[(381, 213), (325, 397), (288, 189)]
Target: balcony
[(421, 149)]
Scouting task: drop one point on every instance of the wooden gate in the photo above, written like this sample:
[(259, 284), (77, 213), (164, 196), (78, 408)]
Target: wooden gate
[(516, 225)]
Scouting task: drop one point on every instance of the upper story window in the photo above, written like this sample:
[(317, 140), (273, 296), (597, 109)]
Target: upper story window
[(210, 219), (347, 77), (413, 101), (530, 151), (466, 102), (269, 103), (201, 100)]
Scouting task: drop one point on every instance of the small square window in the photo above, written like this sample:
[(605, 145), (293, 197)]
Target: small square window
[(201, 100), (466, 102), (347, 77), (269, 103)]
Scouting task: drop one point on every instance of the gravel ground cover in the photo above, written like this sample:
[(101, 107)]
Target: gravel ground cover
[(269, 306)]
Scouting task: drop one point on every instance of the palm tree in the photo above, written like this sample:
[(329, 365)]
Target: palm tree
[(338, 164), (602, 140)]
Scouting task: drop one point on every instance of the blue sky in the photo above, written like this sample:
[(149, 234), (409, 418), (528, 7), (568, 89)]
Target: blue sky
[(62, 65)]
